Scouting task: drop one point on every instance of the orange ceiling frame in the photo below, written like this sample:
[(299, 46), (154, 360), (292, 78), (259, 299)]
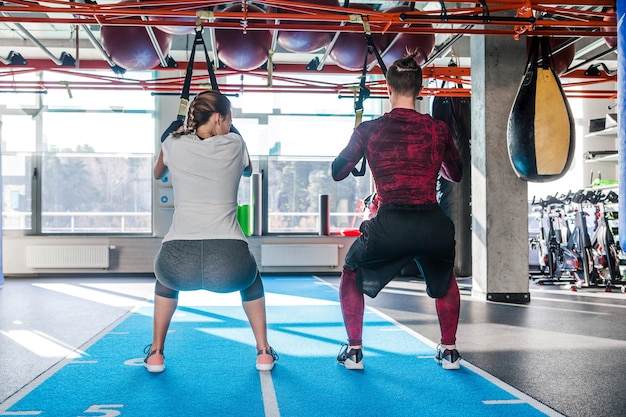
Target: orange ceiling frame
[(496, 18), (308, 17)]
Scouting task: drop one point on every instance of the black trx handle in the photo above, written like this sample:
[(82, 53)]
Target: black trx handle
[(198, 40), (184, 96), (364, 92)]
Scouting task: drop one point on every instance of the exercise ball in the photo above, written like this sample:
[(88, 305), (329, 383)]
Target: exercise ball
[(306, 42), (403, 44), (130, 47), (611, 41), (173, 29), (561, 60), (178, 30), (243, 51), (351, 47)]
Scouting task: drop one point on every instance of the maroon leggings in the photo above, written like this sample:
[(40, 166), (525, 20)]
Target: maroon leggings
[(353, 304)]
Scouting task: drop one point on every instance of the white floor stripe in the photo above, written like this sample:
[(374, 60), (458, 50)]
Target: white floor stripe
[(270, 403), (8, 403), (469, 298), (588, 303), (513, 391), (536, 294), (20, 413), (499, 383), (497, 402), (523, 398)]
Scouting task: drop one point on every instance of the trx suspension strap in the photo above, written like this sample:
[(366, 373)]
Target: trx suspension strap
[(184, 96), (364, 92)]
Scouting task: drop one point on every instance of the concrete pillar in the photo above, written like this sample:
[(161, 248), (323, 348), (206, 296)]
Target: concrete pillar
[(499, 198), (621, 119)]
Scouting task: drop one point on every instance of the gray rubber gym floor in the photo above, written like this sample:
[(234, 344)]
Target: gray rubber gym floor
[(565, 349)]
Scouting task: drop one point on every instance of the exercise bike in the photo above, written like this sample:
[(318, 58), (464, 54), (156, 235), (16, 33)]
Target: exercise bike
[(599, 254), (579, 241), (605, 249), (558, 263)]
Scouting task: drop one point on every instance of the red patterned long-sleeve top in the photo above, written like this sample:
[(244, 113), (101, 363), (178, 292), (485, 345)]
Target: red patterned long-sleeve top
[(406, 150)]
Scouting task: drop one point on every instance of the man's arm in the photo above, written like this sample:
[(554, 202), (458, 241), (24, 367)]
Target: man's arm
[(348, 158), (451, 167), (341, 168)]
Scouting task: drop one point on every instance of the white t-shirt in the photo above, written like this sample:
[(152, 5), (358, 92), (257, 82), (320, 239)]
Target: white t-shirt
[(205, 176)]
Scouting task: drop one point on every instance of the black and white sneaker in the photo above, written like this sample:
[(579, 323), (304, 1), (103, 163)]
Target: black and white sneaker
[(350, 357), (448, 358)]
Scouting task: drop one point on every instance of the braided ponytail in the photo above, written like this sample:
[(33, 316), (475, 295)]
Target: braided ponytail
[(202, 107)]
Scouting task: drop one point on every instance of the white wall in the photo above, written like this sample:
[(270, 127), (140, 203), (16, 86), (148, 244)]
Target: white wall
[(131, 255)]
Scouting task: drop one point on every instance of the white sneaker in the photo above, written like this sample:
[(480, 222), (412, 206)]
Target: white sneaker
[(448, 358)]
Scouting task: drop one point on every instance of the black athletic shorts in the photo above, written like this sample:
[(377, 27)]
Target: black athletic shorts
[(398, 234)]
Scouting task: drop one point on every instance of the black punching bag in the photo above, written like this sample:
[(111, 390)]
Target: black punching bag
[(455, 198), (540, 132)]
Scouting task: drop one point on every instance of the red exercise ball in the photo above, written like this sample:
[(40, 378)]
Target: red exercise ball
[(351, 47), (403, 44), (130, 47), (306, 42), (243, 51)]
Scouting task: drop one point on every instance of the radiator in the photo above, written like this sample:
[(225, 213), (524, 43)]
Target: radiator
[(300, 255), (67, 256)]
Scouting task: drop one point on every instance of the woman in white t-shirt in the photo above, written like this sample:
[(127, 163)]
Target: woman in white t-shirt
[(205, 247)]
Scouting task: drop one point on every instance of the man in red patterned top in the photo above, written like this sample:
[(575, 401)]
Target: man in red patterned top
[(406, 151)]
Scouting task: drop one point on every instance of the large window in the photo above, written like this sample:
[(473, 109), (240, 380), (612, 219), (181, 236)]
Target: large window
[(296, 138), (96, 193), (16, 191), (295, 185), (77, 161), (19, 132), (80, 162)]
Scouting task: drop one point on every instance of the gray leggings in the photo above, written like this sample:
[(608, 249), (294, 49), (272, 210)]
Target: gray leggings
[(219, 265)]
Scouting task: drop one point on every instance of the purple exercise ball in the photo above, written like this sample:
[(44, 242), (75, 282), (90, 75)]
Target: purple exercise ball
[(243, 51), (306, 42)]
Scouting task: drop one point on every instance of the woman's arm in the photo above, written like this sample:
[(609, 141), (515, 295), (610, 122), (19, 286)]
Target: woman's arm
[(247, 171), (160, 168)]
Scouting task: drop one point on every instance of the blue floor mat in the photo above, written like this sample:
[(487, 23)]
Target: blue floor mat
[(210, 356)]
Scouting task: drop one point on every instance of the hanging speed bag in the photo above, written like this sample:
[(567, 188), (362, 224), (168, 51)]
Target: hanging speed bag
[(540, 131)]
